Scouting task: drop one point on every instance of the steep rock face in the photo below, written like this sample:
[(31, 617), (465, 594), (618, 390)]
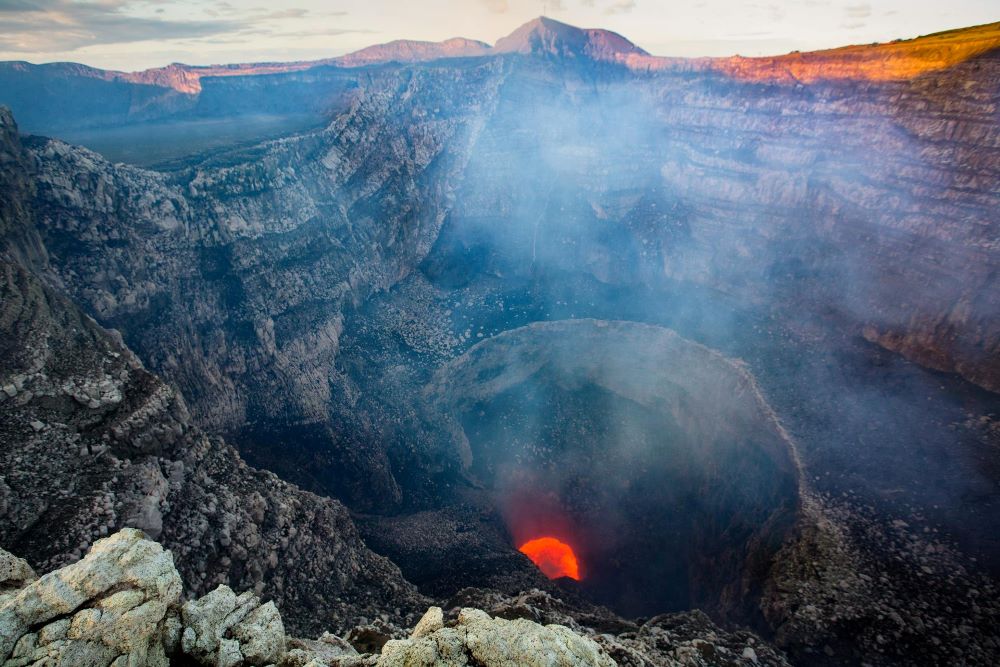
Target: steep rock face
[(232, 279), (771, 194), (893, 184), (119, 450), (16, 170), (246, 267)]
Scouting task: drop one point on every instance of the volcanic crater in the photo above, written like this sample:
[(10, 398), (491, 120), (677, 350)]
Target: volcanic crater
[(415, 305), (654, 458)]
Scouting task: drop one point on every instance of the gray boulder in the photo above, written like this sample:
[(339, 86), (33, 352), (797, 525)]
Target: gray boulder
[(111, 608), (223, 629), (478, 639)]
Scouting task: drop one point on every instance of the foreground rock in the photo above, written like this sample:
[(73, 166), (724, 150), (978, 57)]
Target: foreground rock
[(223, 628), (116, 606), (478, 639), (121, 605)]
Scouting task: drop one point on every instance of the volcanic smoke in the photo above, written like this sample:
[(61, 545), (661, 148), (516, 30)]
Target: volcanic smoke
[(554, 558)]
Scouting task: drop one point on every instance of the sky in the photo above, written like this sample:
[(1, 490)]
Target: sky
[(136, 34)]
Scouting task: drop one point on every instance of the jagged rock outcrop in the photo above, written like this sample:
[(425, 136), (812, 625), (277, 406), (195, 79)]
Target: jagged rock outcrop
[(478, 639), (222, 628), (690, 639), (14, 573), (112, 607), (121, 605), (120, 450)]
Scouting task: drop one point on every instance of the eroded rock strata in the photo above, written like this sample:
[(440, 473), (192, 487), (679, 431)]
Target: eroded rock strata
[(93, 442), (339, 304), (235, 278)]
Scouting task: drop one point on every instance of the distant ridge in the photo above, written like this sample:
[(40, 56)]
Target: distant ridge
[(408, 50), (545, 37), (899, 60)]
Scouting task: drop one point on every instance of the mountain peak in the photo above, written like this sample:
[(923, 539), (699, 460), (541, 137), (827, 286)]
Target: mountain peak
[(408, 50), (545, 36)]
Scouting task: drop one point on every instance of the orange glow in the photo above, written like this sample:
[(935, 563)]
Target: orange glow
[(896, 61), (554, 558)]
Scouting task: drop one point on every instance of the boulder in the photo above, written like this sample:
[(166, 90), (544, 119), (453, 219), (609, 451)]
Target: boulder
[(479, 639), (223, 629), (112, 607), (14, 572)]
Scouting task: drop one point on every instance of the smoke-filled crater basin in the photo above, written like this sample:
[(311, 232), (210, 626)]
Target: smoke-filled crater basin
[(654, 459)]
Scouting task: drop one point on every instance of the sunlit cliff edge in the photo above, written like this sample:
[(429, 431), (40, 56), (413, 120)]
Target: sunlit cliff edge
[(893, 61)]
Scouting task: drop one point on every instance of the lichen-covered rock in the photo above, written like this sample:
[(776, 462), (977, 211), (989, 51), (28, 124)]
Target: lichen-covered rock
[(683, 639), (223, 629), (478, 639), (14, 572), (327, 650), (432, 621), (111, 607)]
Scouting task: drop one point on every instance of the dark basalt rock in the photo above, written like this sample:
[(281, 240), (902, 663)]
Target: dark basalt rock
[(90, 441), (656, 458)]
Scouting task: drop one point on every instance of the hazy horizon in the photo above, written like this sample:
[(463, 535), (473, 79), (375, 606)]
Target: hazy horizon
[(133, 35)]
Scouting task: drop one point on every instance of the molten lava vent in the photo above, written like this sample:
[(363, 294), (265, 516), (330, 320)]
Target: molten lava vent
[(554, 558)]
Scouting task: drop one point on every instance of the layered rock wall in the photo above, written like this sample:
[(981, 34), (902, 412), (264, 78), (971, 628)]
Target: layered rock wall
[(865, 205)]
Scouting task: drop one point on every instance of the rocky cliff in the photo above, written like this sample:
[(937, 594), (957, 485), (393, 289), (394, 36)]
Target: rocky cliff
[(231, 278), (303, 295), (308, 225), (119, 449), (122, 605)]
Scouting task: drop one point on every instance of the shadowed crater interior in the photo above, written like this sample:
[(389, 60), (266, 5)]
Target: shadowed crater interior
[(656, 459)]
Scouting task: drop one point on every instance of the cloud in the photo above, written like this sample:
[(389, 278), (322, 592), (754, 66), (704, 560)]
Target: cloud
[(496, 6), (620, 7), (854, 16), (751, 34), (774, 11), (67, 25), (860, 11), (64, 25)]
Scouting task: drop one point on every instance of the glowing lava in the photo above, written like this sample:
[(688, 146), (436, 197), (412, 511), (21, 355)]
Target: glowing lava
[(554, 558)]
